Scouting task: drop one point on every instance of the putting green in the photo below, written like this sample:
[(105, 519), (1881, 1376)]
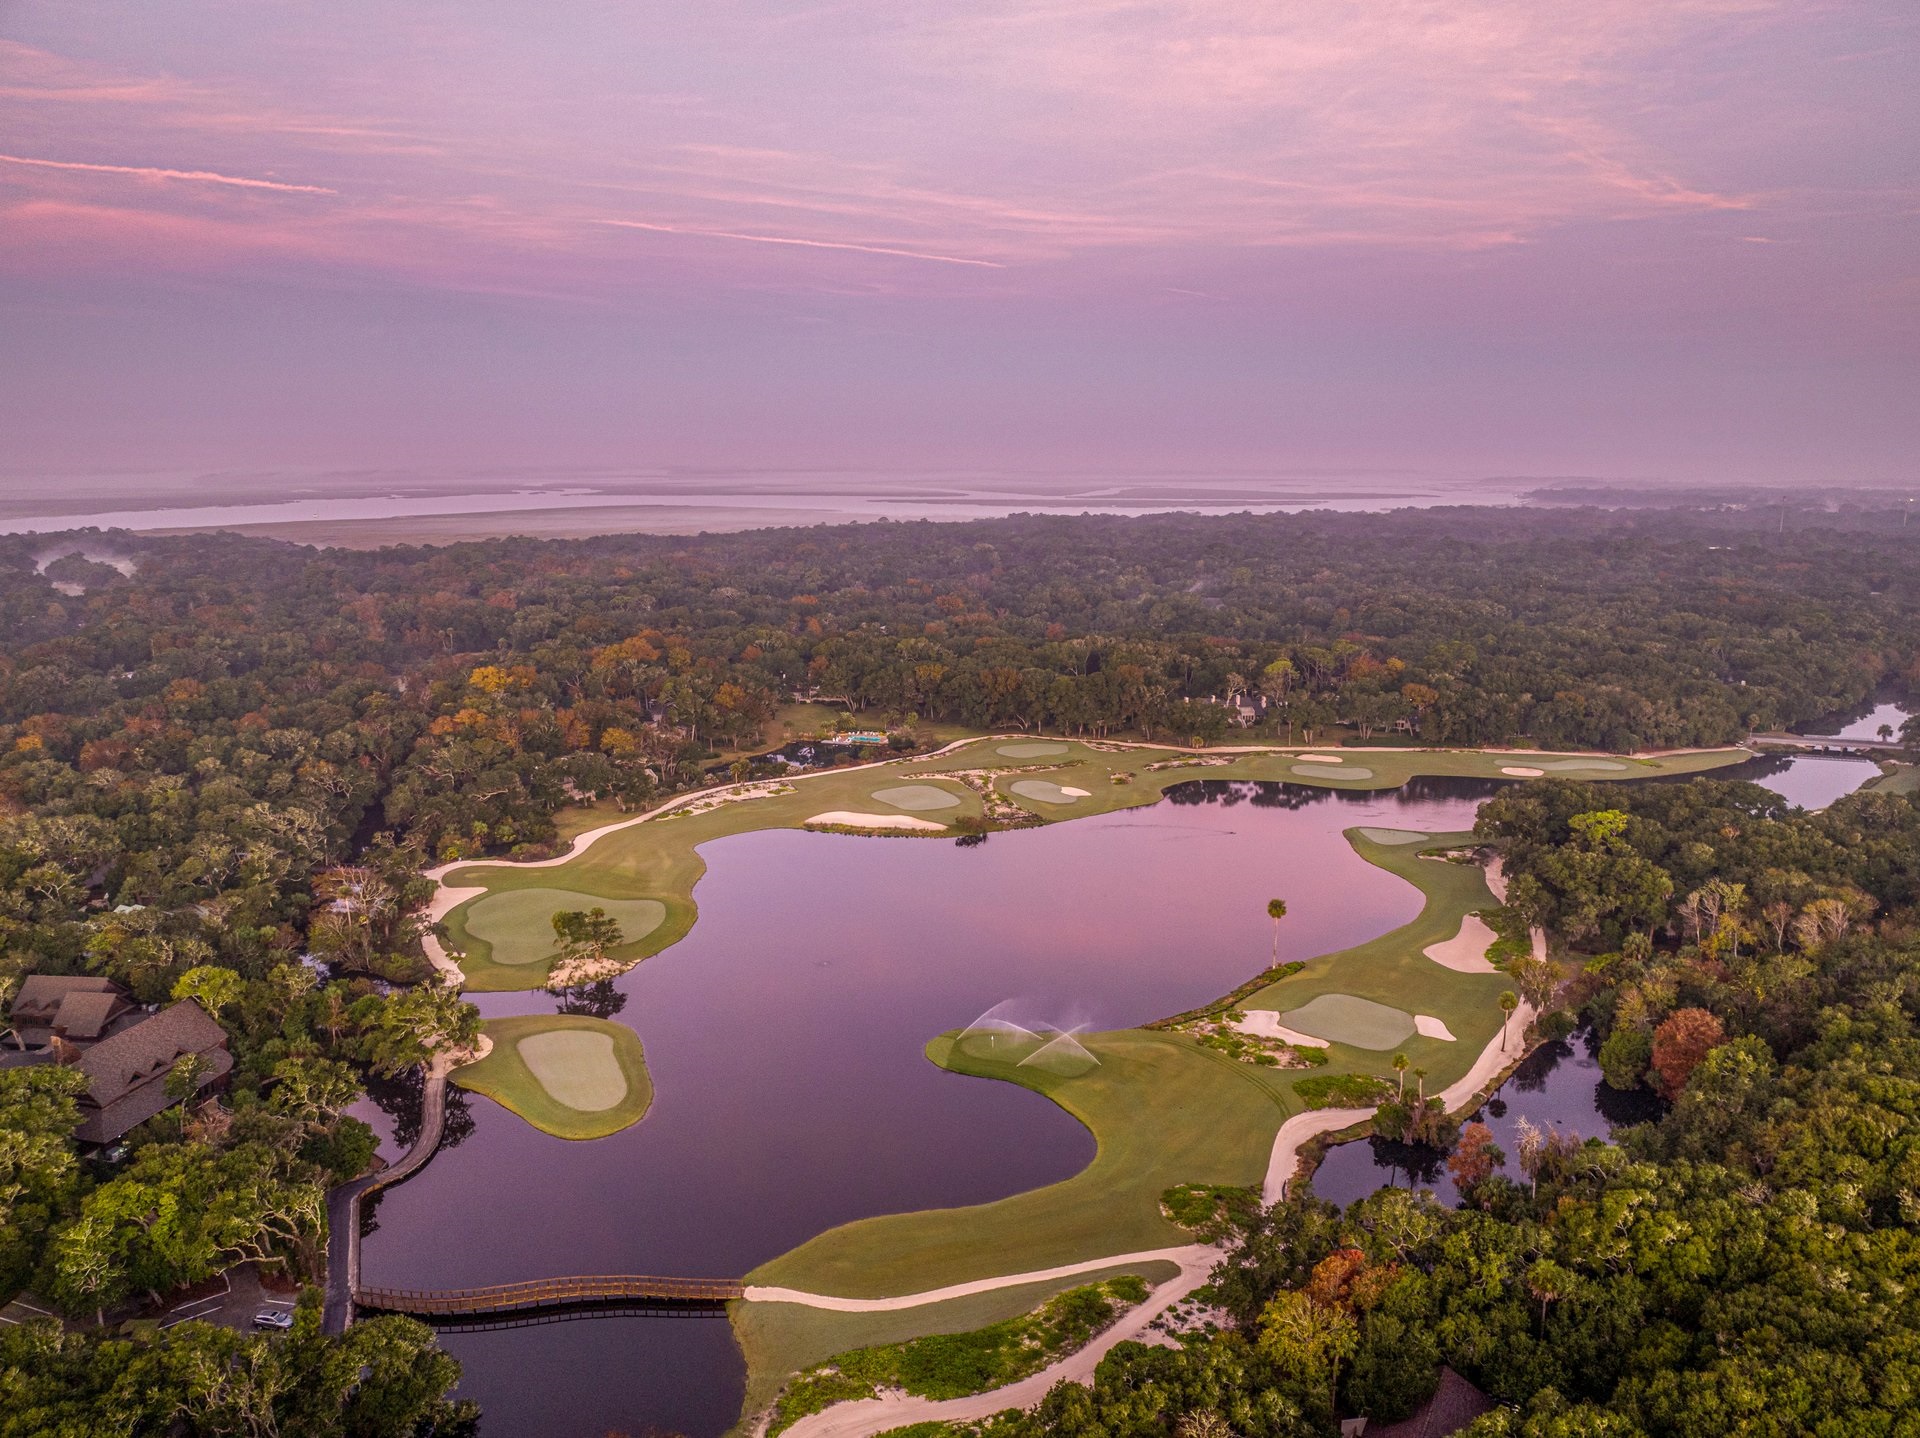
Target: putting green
[(1031, 749), (1393, 836), (917, 797), (1348, 1020), (1329, 771), (517, 924), (577, 1067), (1042, 792), (569, 1075)]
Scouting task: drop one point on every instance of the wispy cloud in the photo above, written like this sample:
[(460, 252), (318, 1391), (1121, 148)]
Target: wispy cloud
[(806, 244), (152, 172)]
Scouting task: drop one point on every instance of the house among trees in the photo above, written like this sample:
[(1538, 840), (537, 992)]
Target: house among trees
[(1454, 1405), (56, 1009), (127, 1073)]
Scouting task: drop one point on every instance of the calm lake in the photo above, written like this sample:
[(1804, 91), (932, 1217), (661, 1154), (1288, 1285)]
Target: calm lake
[(785, 1037)]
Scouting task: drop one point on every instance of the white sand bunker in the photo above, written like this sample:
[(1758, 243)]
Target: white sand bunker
[(1466, 951), (1393, 836), (1349, 1019), (1323, 758), (1520, 771), (1266, 1024), (1031, 749), (847, 819), (1427, 1026), (1041, 792), (577, 1067), (1323, 771), (917, 797)]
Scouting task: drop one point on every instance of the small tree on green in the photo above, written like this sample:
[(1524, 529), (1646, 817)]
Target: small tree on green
[(1276, 910), (582, 942)]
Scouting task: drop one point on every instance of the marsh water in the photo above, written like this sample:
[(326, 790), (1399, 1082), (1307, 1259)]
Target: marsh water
[(785, 1039), (1557, 1087)]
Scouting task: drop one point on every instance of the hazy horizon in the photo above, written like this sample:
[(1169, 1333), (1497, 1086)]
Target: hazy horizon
[(1626, 242)]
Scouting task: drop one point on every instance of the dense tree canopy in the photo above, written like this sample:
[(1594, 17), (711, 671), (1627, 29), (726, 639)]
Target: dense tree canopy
[(220, 778)]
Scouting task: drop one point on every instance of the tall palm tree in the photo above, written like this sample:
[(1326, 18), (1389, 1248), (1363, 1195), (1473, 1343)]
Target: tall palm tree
[(1400, 1072), (1509, 1001), (1276, 910)]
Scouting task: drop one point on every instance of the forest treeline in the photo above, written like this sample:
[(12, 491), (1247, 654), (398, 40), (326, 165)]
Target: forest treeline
[(219, 778)]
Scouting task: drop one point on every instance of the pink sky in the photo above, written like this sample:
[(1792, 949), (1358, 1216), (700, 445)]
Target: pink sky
[(1637, 238)]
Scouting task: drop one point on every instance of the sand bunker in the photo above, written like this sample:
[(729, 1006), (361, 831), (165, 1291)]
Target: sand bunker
[(1266, 1024), (1041, 792), (1322, 771), (517, 924), (1520, 771), (1031, 749), (1393, 836), (1466, 951), (577, 1067), (918, 797), (1347, 1019), (1322, 758), (847, 819), (1427, 1026)]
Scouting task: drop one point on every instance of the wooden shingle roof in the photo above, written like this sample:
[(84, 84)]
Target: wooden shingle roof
[(126, 1074)]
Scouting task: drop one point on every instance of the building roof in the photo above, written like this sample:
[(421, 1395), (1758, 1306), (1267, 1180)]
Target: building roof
[(1454, 1404), (41, 995), (126, 1074), (85, 1015)]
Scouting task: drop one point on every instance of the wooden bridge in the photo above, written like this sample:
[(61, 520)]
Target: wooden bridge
[(591, 1289)]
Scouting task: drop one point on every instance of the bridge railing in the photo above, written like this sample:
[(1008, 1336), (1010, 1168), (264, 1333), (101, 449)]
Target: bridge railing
[(549, 1292)]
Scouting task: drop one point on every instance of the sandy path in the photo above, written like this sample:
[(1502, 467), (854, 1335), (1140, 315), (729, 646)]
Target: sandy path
[(1182, 1255), (877, 1415)]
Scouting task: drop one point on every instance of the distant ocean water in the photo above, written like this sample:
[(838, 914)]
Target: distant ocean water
[(308, 506)]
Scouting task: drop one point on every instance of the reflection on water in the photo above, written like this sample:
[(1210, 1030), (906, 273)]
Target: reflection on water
[(785, 1039), (1865, 722), (1558, 1086), (1812, 781)]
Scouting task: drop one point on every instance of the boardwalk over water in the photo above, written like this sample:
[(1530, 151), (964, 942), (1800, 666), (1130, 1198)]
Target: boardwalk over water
[(586, 1289), (343, 1203)]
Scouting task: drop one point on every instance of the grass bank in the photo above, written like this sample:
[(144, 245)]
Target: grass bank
[(780, 1339), (541, 1061)]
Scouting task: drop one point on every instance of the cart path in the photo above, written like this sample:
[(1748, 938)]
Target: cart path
[(868, 1416)]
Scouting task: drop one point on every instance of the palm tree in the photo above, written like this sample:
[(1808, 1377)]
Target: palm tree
[(1276, 910), (1400, 1071), (1509, 1001)]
